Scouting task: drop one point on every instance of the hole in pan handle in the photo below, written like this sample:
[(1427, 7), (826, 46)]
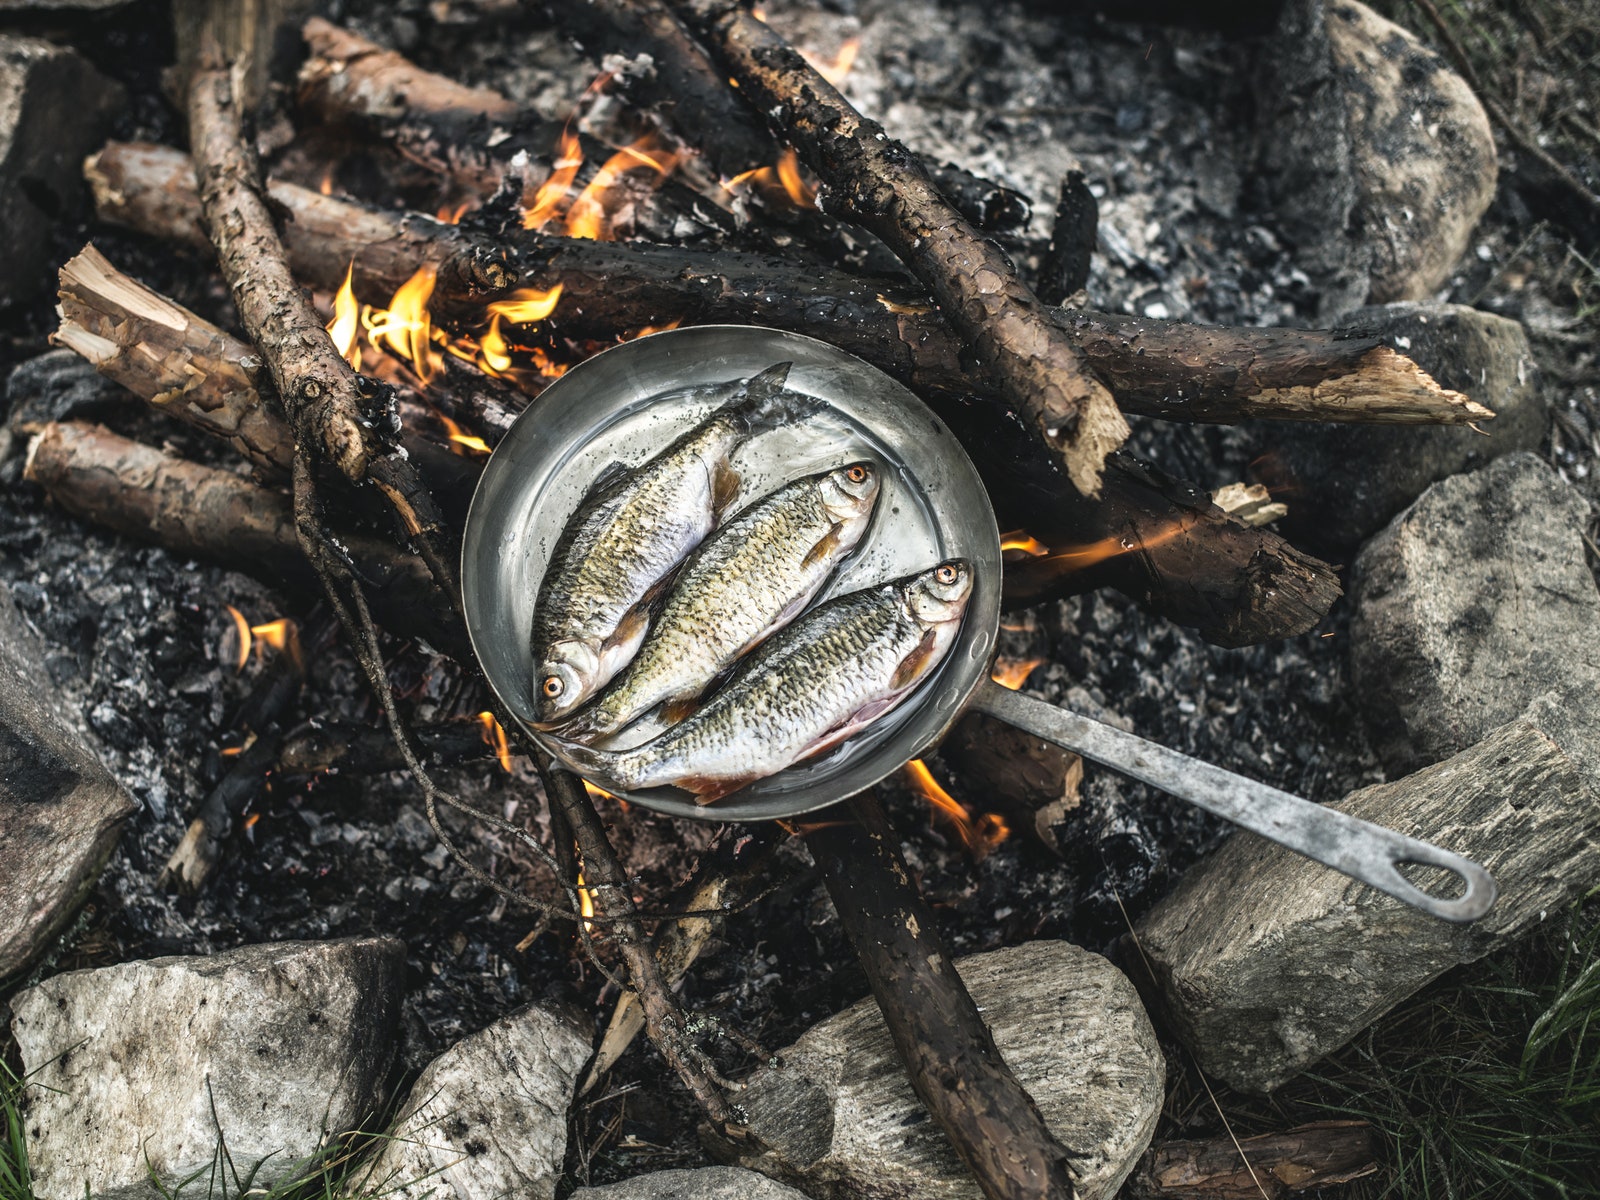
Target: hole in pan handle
[(1358, 848)]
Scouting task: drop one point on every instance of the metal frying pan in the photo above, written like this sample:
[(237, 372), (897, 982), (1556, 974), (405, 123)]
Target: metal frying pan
[(631, 400)]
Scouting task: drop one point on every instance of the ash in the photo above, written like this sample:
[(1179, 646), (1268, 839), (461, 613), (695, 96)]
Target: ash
[(1160, 121)]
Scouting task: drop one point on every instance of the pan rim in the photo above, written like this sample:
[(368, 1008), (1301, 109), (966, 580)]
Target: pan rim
[(930, 710)]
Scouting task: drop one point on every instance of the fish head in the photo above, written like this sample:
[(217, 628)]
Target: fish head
[(939, 595), (849, 493), (567, 676)]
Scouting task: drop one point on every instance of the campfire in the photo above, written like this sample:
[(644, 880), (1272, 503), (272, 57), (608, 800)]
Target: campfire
[(339, 283)]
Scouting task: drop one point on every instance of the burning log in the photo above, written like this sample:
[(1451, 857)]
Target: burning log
[(1030, 782), (875, 182), (473, 137), (1157, 368), (949, 1053), (1269, 1166), (204, 512)]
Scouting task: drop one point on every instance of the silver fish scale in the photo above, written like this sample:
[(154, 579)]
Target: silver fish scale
[(819, 673), (728, 596)]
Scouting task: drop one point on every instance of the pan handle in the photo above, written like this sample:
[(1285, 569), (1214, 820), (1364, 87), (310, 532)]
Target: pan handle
[(1358, 848)]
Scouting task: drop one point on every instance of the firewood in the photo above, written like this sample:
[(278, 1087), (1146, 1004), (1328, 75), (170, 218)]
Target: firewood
[(1157, 368), (1268, 1166), (1030, 782), (949, 1053), (334, 747), (690, 93), (877, 183), (203, 512)]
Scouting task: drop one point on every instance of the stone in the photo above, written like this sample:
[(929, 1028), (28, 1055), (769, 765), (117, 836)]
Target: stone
[(708, 1183), (1471, 604), (488, 1117), (60, 810), (841, 1122), (1264, 962), (148, 1066), (1378, 157), (54, 109), (1343, 483)]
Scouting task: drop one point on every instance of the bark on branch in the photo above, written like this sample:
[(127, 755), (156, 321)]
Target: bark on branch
[(875, 182)]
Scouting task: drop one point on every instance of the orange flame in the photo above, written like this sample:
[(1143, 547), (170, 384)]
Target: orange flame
[(465, 441), (1018, 539), (250, 821), (345, 328), (1077, 558), (786, 175), (241, 630), (599, 793), (494, 737), (1013, 672), (406, 326), (980, 835), (282, 635), (588, 217), (526, 305), (547, 200), (452, 216), (231, 751), (835, 71), (326, 184), (585, 903)]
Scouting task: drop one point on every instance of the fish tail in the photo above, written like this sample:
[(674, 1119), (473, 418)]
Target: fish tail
[(604, 766), (763, 404)]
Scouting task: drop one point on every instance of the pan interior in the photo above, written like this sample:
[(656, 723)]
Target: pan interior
[(627, 403)]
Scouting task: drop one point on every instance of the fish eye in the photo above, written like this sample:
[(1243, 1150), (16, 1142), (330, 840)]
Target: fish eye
[(945, 573), (553, 686), (856, 474)]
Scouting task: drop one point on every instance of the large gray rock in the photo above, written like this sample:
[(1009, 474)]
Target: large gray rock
[(1266, 962), (60, 811), (148, 1066), (708, 1183), (54, 109), (841, 1121), (1474, 602), (1379, 158), (488, 1117), (1343, 483)]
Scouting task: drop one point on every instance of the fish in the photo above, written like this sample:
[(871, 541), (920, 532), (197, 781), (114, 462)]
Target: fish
[(627, 536), (836, 670), (753, 576)]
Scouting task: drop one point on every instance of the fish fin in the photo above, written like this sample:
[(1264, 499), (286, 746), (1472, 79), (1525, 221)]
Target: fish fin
[(763, 404), (824, 549), (618, 650), (609, 474), (710, 789), (725, 483), (853, 724), (914, 664), (674, 711)]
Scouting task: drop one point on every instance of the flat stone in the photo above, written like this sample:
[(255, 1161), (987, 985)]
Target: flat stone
[(1343, 483), (842, 1123), (708, 1183), (1265, 962), (488, 1117), (60, 810), (147, 1066), (1471, 604), (54, 109)]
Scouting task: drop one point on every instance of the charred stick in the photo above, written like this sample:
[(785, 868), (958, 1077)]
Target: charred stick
[(203, 512), (607, 885), (335, 747), (1065, 269), (948, 1051), (1270, 1165), (876, 183), (321, 395), (1157, 368)]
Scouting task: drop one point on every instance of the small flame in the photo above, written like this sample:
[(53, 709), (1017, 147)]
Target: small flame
[(230, 751), (1077, 558), (786, 175), (345, 328), (585, 903), (406, 326), (282, 634), (1020, 540), (494, 736), (241, 629), (835, 71), (326, 185), (980, 835), (452, 216), (466, 441), (493, 348), (1013, 672), (588, 218), (250, 821), (599, 793), (526, 305), (547, 200)]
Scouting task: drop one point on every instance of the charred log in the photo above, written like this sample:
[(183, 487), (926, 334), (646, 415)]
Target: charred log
[(1157, 368), (334, 747), (875, 182), (1269, 1166), (949, 1053), (203, 512)]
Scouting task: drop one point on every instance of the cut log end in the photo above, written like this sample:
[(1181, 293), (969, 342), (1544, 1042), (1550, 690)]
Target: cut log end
[(1100, 431)]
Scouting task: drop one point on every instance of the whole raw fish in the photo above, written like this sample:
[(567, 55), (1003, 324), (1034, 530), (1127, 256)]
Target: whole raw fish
[(829, 675), (754, 575), (628, 535)]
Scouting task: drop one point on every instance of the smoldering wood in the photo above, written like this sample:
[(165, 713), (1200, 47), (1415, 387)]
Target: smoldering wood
[(949, 1053), (1268, 1166), (877, 183), (1064, 270), (335, 747), (1030, 782), (1156, 368), (203, 512)]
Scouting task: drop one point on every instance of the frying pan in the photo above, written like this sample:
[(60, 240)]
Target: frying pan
[(933, 506)]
